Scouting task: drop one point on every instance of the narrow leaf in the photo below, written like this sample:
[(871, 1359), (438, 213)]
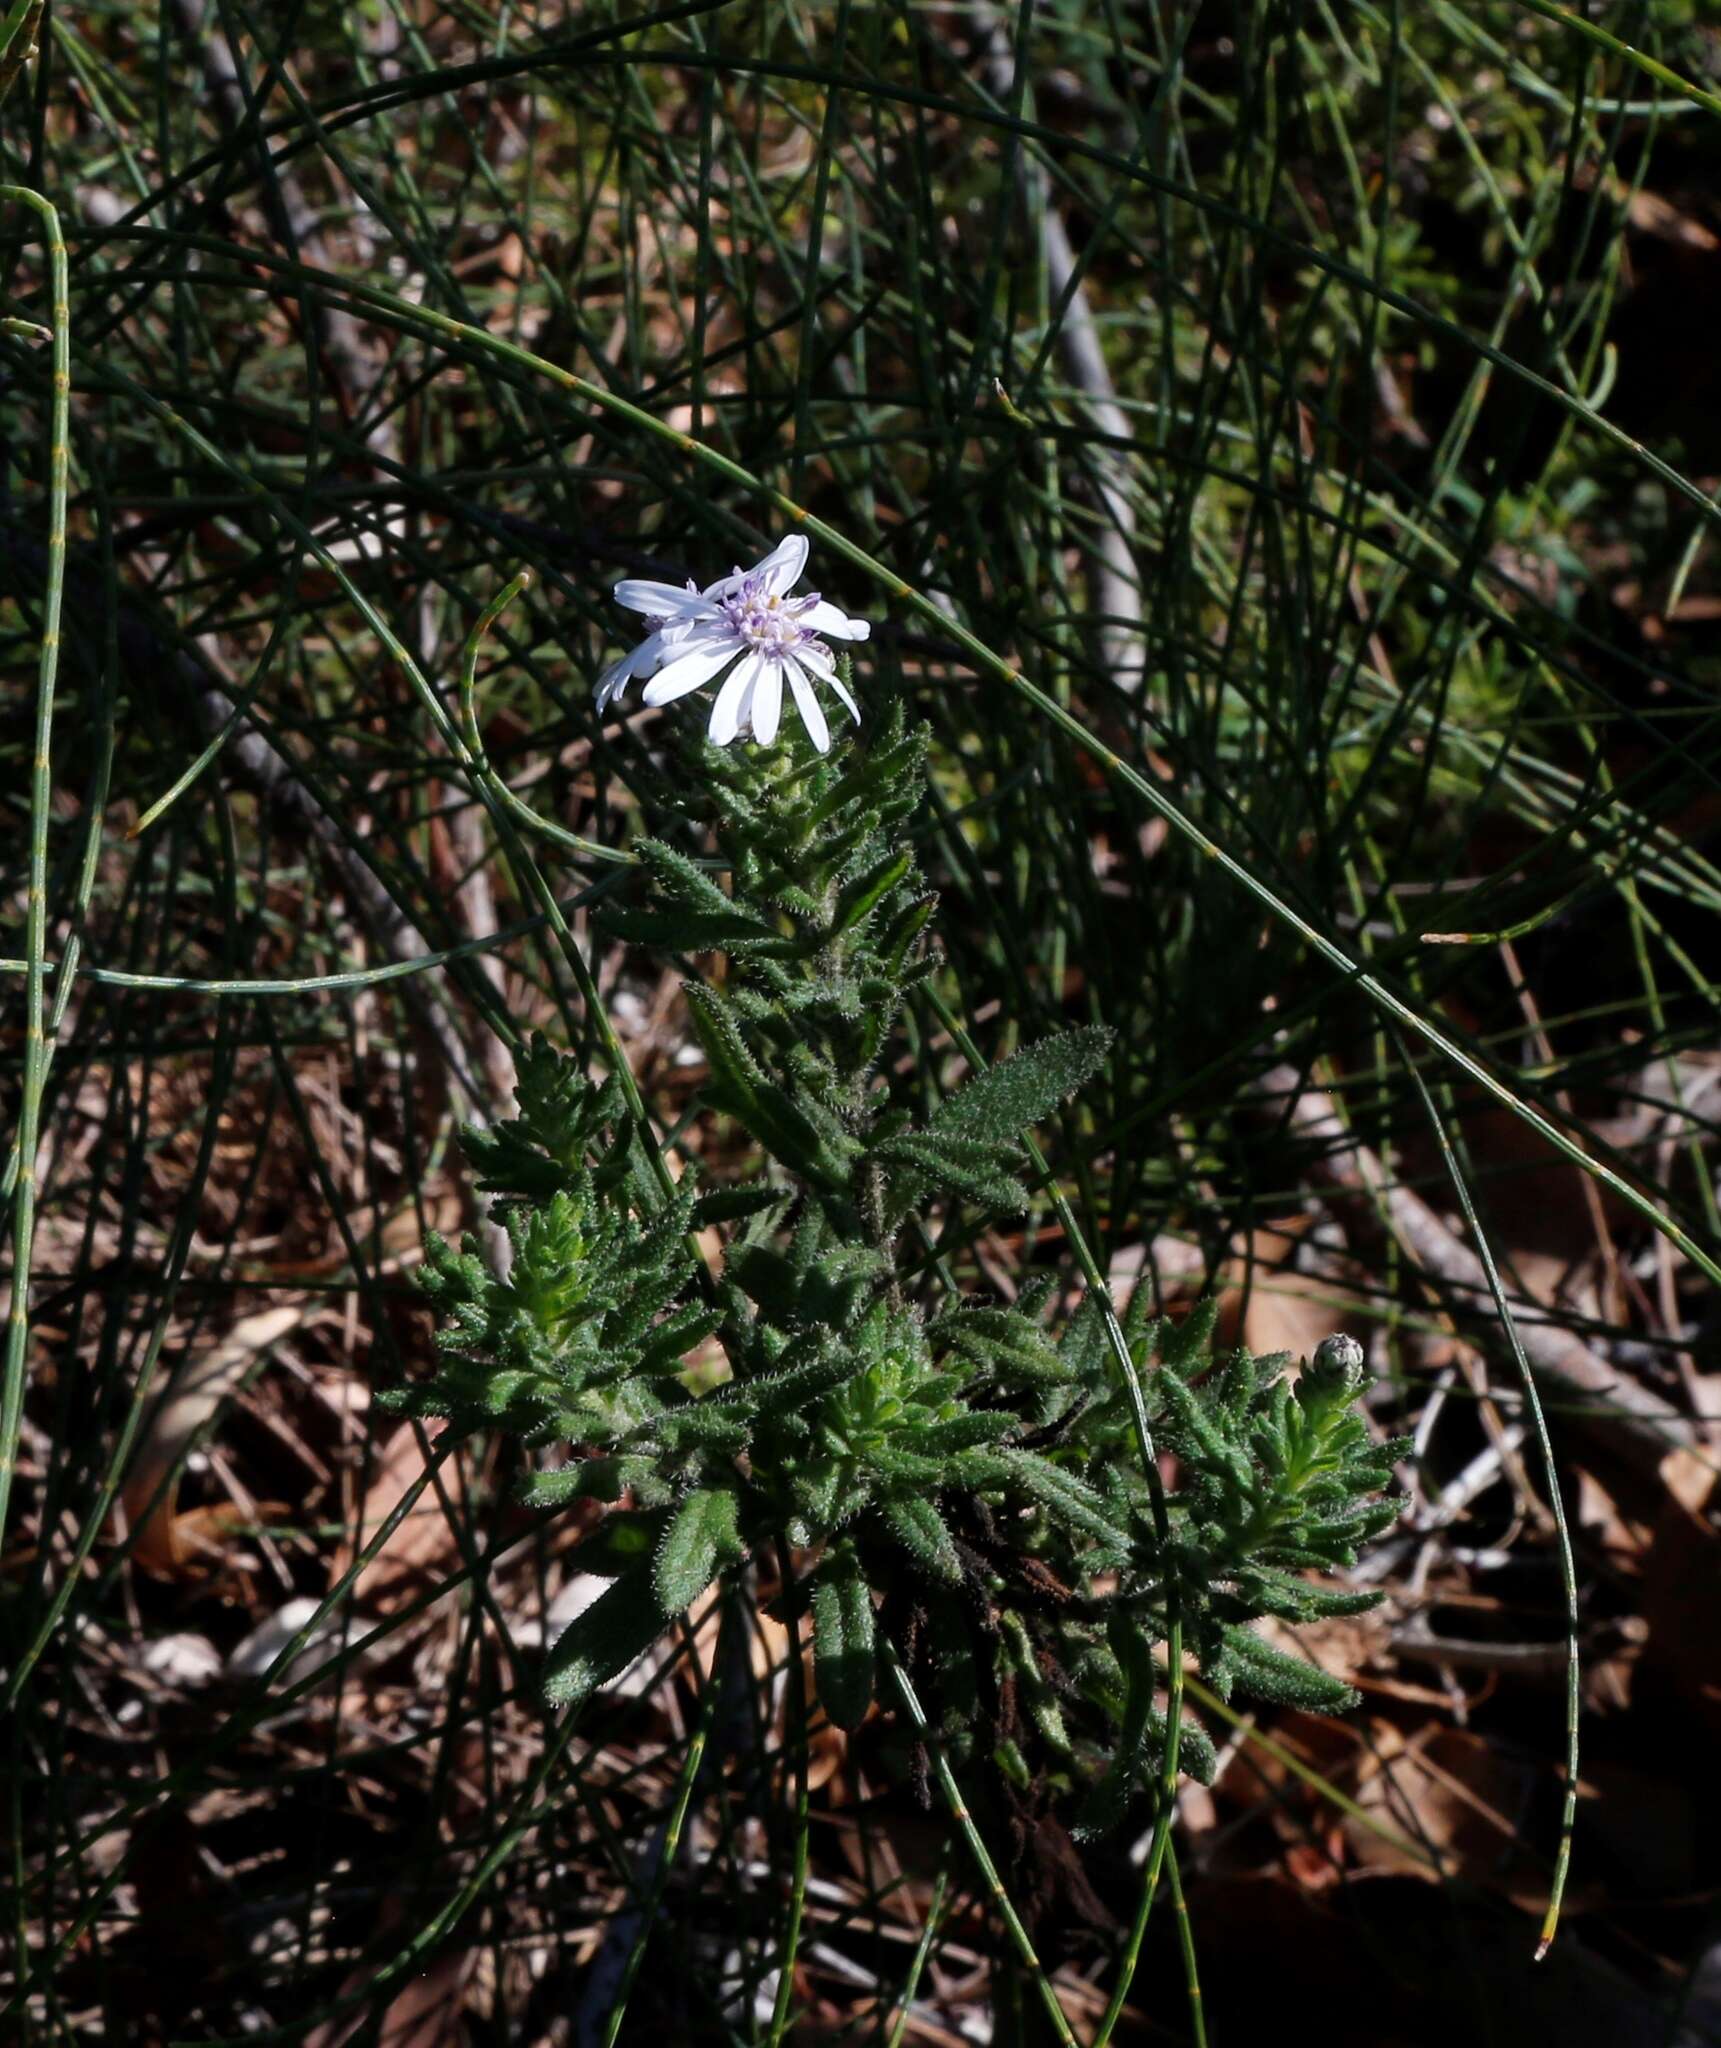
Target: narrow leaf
[(620, 1625), (1006, 1100), (703, 1535), (920, 1529), (843, 1650)]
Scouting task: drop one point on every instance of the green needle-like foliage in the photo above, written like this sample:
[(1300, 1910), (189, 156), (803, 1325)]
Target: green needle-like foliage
[(580, 1341), (974, 1467)]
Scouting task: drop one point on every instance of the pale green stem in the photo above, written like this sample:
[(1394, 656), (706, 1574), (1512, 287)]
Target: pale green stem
[(671, 1845), (36, 900), (952, 1794)]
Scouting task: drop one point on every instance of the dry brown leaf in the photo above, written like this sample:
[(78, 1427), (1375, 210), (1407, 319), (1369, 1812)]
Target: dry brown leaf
[(1448, 1790), (1316, 1866), (425, 2014), (166, 1542), (1345, 1645), (423, 1544), (1682, 1601), (1651, 214), (1357, 1648), (1690, 1477), (1622, 1539), (1288, 1309)]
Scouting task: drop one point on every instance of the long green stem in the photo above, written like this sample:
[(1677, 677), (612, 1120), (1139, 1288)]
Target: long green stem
[(17, 40), (1651, 67), (36, 900), (797, 1742), (952, 1795), (1186, 1948), (667, 1853), (922, 1949), (1556, 1505), (309, 984)]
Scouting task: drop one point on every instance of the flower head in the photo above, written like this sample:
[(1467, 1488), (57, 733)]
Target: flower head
[(747, 629)]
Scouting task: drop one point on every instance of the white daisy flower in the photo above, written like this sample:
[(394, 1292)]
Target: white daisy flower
[(748, 624)]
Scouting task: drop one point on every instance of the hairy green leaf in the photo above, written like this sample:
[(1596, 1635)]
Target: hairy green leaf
[(703, 1535), (1010, 1098), (924, 1534), (843, 1647), (620, 1625)]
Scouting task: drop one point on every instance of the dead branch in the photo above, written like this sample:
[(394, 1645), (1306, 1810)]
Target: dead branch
[(1644, 1426)]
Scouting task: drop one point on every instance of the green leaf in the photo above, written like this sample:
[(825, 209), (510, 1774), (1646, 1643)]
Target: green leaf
[(703, 1535), (620, 1625), (902, 932), (738, 1086), (1208, 1435), (687, 931), (921, 1530), (681, 880), (895, 1461), (667, 1343), (830, 1366), (886, 768), (1072, 1500), (716, 1422), (1183, 1346), (964, 1167), (736, 1204), (843, 1645), (767, 1279), (868, 889), (960, 1433), (1108, 1799), (1008, 1099), (1034, 1695), (581, 1479), (1249, 1665), (691, 913), (1006, 1342)]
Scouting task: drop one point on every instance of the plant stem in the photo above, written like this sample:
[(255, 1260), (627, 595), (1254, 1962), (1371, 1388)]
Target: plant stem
[(797, 1742), (964, 1820), (668, 1849), (28, 1139)]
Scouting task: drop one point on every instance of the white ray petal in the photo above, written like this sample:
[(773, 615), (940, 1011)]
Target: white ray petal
[(732, 698), (696, 662), (781, 569), (807, 704), (836, 682), (835, 625), (662, 600), (638, 661), (716, 592), (768, 702)]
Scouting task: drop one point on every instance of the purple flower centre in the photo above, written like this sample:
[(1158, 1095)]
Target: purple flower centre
[(769, 625)]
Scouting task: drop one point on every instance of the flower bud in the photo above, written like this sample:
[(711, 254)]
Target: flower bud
[(1337, 1370)]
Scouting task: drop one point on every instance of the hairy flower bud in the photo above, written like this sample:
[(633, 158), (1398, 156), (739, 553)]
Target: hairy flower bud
[(1337, 1371)]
